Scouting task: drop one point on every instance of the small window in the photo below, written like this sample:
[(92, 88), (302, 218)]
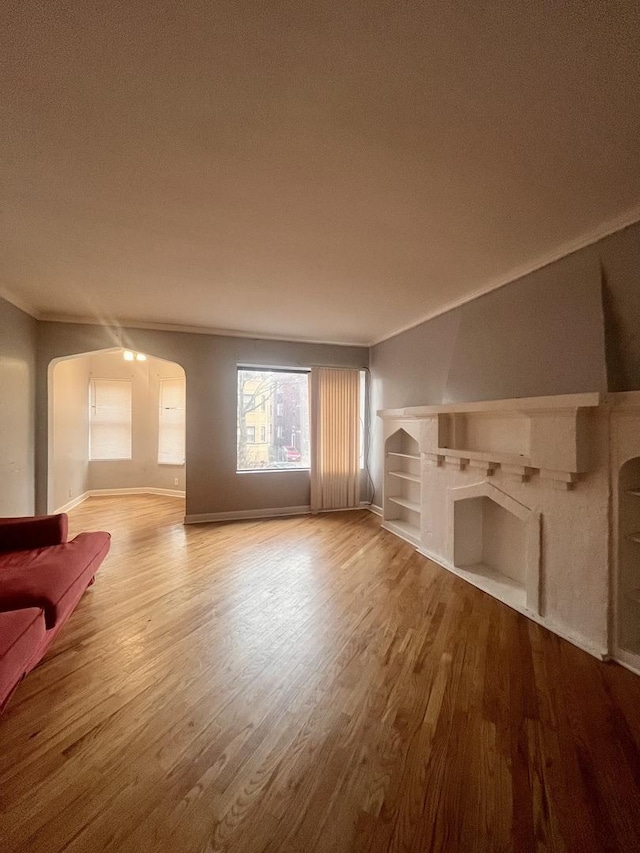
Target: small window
[(171, 422), (109, 419), (274, 405)]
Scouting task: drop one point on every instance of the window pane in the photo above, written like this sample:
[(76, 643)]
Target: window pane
[(171, 422), (110, 419), (273, 419)]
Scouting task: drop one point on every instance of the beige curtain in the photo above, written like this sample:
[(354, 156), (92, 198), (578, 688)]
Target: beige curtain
[(335, 453)]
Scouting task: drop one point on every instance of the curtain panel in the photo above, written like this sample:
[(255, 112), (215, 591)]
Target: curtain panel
[(335, 434)]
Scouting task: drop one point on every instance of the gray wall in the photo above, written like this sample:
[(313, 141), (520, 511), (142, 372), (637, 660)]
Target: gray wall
[(18, 334), (572, 326), (209, 362)]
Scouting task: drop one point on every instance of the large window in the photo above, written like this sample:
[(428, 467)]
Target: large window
[(110, 419), (171, 422), (273, 419)]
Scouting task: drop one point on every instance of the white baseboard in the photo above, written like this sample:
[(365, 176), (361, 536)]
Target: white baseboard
[(246, 514), (98, 493), (141, 490), (375, 509), (71, 504)]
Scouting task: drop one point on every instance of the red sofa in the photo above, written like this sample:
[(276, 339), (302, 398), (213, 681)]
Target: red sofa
[(42, 578)]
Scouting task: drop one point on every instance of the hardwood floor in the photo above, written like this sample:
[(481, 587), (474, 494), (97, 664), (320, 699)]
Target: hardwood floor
[(308, 684)]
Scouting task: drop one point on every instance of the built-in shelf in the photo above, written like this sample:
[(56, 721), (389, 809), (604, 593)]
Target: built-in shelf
[(413, 478), (634, 537), (415, 456), (403, 486), (485, 456), (407, 531), (407, 504)]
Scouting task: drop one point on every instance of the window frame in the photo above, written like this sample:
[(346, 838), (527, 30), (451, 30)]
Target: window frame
[(93, 380), (161, 382), (267, 405)]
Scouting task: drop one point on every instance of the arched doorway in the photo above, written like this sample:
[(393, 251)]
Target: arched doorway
[(116, 426)]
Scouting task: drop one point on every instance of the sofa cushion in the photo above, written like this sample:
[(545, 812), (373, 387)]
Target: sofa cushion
[(51, 578), (21, 635), (20, 534)]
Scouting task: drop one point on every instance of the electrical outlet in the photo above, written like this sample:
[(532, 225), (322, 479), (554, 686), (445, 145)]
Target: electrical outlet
[(175, 481)]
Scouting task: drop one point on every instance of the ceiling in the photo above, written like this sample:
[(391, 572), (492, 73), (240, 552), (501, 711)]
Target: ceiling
[(331, 171)]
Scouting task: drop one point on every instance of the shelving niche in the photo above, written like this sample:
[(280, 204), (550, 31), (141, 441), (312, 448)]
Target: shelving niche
[(629, 557), (402, 490)]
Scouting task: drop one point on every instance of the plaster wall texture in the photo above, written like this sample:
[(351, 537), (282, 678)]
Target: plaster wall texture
[(575, 532)]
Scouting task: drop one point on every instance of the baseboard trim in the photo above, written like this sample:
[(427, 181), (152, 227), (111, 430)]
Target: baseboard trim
[(168, 493), (598, 652), (71, 504), (246, 514), (101, 493), (375, 509)]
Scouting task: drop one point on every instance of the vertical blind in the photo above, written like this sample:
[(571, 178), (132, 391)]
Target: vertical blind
[(110, 419), (171, 426), (335, 438)]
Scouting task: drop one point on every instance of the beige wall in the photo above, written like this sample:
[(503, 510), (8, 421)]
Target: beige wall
[(69, 431), (18, 338), (142, 470), (71, 471)]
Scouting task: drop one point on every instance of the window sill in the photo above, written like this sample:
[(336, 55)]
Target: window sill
[(273, 471)]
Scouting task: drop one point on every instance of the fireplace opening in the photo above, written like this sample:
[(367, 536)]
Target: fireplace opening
[(495, 544)]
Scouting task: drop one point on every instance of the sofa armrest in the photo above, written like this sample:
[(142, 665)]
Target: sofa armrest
[(22, 534)]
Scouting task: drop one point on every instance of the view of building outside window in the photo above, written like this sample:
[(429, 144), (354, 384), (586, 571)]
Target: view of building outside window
[(273, 419)]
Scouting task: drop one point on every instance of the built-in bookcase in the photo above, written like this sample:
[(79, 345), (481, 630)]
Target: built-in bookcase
[(402, 492)]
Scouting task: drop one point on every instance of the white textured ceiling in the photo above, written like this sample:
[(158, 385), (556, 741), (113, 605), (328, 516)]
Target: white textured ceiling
[(327, 171)]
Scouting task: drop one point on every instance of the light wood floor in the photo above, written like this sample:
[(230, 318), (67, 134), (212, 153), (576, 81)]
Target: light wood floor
[(308, 684)]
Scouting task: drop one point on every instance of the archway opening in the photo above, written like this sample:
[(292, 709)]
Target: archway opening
[(116, 426)]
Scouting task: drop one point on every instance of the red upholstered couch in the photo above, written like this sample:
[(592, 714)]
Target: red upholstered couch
[(42, 578)]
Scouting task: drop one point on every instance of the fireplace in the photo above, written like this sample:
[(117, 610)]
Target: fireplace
[(494, 542)]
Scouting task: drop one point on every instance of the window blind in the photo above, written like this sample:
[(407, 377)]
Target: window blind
[(171, 429), (110, 419)]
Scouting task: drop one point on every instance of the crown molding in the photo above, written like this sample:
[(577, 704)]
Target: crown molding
[(588, 238), (194, 330)]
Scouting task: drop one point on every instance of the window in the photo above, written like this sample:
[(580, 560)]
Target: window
[(171, 422), (109, 419), (273, 404)]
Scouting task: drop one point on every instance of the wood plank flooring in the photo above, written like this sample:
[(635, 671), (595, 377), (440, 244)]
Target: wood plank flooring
[(308, 684)]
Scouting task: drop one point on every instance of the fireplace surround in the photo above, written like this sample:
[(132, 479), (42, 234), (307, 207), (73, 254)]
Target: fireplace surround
[(536, 501)]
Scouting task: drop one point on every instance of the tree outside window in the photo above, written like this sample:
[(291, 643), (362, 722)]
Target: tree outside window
[(273, 405)]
